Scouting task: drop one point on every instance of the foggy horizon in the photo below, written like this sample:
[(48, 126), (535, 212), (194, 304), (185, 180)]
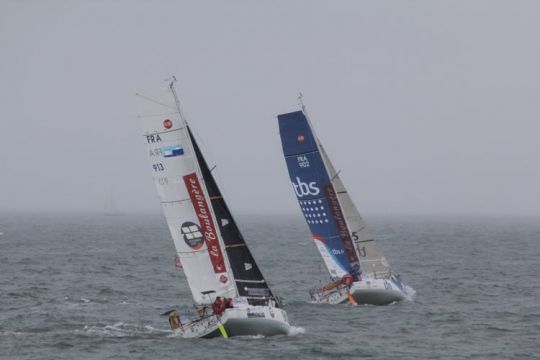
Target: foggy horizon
[(427, 108)]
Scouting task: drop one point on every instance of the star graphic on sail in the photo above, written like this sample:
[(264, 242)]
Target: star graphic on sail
[(314, 211)]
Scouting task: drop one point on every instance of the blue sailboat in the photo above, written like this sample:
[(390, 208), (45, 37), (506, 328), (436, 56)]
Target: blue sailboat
[(359, 272)]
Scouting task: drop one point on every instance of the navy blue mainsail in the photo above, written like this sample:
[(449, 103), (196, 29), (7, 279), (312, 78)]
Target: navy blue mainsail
[(317, 196)]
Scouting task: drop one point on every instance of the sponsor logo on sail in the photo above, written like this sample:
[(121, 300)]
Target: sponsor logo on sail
[(341, 225), (193, 235), (167, 124), (155, 152), (300, 138), (207, 224), (302, 189), (172, 151)]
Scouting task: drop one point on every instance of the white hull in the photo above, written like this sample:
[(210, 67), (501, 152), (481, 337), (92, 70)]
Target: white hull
[(245, 321), (365, 292), (377, 291)]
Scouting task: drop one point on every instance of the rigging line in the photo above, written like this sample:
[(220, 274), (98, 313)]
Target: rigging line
[(154, 101), (305, 153), (154, 115), (335, 176), (363, 241), (175, 201), (163, 132)]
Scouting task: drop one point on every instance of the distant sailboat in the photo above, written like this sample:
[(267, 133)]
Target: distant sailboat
[(230, 293), (359, 271), (110, 208)]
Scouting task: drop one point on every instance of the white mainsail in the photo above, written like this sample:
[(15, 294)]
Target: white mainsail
[(184, 198), (371, 257)]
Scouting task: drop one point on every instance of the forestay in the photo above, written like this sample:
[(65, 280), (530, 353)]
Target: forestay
[(317, 195), (184, 198)]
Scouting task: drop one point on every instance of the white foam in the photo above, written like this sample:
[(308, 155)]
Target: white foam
[(410, 293), (296, 330), (251, 337), (121, 329)]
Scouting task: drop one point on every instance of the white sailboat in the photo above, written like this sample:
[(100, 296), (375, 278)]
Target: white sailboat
[(358, 269), (230, 293)]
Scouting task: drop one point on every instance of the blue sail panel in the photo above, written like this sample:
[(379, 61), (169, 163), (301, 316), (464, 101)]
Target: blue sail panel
[(316, 194)]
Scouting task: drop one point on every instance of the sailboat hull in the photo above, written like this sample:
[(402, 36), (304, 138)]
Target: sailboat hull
[(377, 291), (249, 321), (365, 292)]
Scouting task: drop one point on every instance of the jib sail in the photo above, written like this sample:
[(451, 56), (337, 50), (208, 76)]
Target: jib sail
[(249, 279), (371, 257)]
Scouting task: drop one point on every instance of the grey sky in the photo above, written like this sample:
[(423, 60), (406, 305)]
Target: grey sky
[(426, 106)]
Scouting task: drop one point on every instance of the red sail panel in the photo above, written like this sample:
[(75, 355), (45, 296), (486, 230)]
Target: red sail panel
[(207, 224), (341, 224)]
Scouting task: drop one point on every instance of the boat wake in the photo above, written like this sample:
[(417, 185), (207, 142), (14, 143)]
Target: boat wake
[(121, 329)]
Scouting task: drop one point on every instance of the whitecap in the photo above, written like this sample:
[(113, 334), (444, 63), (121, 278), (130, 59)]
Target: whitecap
[(410, 293), (296, 330)]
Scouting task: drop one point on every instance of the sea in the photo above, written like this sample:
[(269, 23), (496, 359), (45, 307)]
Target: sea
[(89, 286)]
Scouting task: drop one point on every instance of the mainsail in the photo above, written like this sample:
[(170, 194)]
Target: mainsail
[(212, 251), (309, 165), (184, 198), (317, 196)]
